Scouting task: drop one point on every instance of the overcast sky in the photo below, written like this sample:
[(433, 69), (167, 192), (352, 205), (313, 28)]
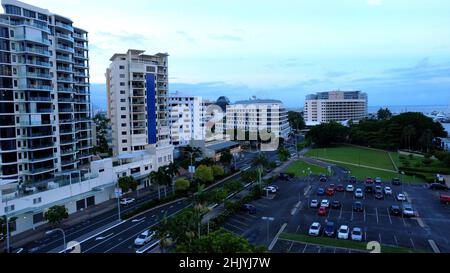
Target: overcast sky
[(398, 51)]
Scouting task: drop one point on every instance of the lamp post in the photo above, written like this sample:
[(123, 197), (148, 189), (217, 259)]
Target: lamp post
[(268, 220), (63, 233), (118, 192), (7, 227)]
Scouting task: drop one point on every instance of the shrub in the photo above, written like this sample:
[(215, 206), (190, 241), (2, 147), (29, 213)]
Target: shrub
[(182, 184), (217, 171)]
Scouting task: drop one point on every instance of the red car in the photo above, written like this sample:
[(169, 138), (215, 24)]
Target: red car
[(330, 191), (369, 181), (445, 199), (322, 211), (332, 186), (340, 188)]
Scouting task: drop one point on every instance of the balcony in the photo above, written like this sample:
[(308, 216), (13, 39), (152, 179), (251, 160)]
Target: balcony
[(34, 50), (64, 69), (39, 40), (66, 37), (80, 36), (27, 23), (65, 110), (39, 87), (65, 89), (64, 58), (64, 26), (35, 75), (37, 63), (82, 46), (65, 48), (36, 122), (34, 99), (65, 79), (40, 146), (80, 56)]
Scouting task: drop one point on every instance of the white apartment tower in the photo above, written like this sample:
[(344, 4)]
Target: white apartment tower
[(137, 88), (187, 119), (336, 106), (45, 114)]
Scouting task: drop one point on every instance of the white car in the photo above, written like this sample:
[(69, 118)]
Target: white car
[(387, 190), (408, 211), (401, 197), (350, 188), (127, 201), (357, 234), (359, 193), (343, 232), (325, 203), (144, 238), (378, 180), (314, 204), (314, 229), (270, 189)]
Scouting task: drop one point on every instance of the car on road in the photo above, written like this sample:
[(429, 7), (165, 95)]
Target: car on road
[(408, 211), (323, 178), (275, 186), (359, 193), (314, 229), (401, 197), (350, 188), (369, 189), (270, 189), (438, 187), (340, 188), (444, 199), (387, 190), (378, 188), (127, 201), (330, 191), (357, 234), (314, 204), (332, 186), (395, 210), (144, 238), (325, 203), (343, 232), (352, 179), (336, 204), (396, 181), (369, 180), (378, 180), (322, 211), (249, 208), (379, 195), (320, 191), (329, 229), (358, 207), (285, 176)]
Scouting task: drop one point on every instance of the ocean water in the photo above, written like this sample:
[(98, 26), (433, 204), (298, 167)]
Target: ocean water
[(447, 127), (426, 109)]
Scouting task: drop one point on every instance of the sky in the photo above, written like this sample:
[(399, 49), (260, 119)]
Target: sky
[(397, 51)]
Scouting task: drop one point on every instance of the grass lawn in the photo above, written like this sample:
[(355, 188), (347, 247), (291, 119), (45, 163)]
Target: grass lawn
[(297, 168), (343, 243), (355, 155)]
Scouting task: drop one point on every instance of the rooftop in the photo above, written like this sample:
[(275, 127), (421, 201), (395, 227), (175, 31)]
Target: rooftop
[(255, 101)]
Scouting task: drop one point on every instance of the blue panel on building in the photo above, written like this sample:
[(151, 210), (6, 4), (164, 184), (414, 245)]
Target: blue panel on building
[(151, 109)]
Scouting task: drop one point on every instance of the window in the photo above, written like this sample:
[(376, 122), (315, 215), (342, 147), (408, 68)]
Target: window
[(122, 76), (122, 84), (122, 67), (101, 170), (9, 208), (37, 200), (13, 10), (124, 141), (124, 133), (37, 218), (29, 13), (123, 108), (124, 125), (123, 100), (124, 149), (42, 17), (122, 92), (123, 116)]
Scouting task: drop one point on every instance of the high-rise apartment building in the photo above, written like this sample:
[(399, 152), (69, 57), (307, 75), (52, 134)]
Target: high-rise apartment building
[(138, 103), (45, 112), (335, 106)]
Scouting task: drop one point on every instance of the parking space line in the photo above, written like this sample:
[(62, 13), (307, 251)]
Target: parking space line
[(396, 241), (364, 215), (351, 220), (319, 249), (376, 213), (389, 215), (340, 214), (412, 242), (334, 251), (404, 222), (239, 222), (231, 225), (379, 236), (304, 249)]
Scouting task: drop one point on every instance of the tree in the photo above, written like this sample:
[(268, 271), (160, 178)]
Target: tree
[(218, 195), (220, 241), (3, 229), (384, 114), (260, 162), (204, 174), (161, 178), (182, 228), (56, 214), (191, 153), (234, 185), (426, 140), (172, 170), (127, 183), (249, 176), (101, 126), (217, 171), (182, 184), (296, 120), (226, 158), (283, 154), (408, 132), (325, 134)]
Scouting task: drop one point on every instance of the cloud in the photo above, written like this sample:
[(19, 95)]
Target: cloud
[(374, 2), (226, 37), (186, 36), (125, 37)]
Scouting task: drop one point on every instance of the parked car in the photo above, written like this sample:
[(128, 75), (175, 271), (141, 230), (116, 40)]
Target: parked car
[(343, 232), (350, 188), (352, 179), (358, 207), (320, 191), (270, 189), (408, 211), (357, 234), (438, 187), (144, 238), (369, 180), (336, 204), (379, 195), (401, 197), (323, 178), (314, 204), (378, 188), (314, 229), (330, 191), (368, 189), (378, 180), (340, 188), (275, 186), (444, 199), (285, 176), (2, 237), (325, 203), (359, 193), (387, 190), (249, 208), (396, 181), (127, 201), (332, 186), (322, 211), (395, 210), (329, 229)]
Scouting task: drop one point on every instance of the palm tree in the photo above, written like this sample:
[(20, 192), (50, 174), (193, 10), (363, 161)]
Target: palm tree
[(172, 170), (154, 177), (161, 178), (260, 162)]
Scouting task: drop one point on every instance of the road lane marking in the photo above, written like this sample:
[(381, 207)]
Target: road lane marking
[(340, 213), (376, 213), (396, 241), (379, 236), (304, 249), (275, 239), (138, 220), (412, 242), (102, 238), (389, 215), (434, 246)]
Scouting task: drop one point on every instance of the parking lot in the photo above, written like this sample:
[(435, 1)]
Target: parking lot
[(283, 246)]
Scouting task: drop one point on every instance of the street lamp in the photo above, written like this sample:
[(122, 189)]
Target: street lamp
[(118, 192), (63, 233), (268, 220)]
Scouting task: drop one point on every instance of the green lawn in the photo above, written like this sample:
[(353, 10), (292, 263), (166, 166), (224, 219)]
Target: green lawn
[(299, 166), (344, 243), (355, 155)]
